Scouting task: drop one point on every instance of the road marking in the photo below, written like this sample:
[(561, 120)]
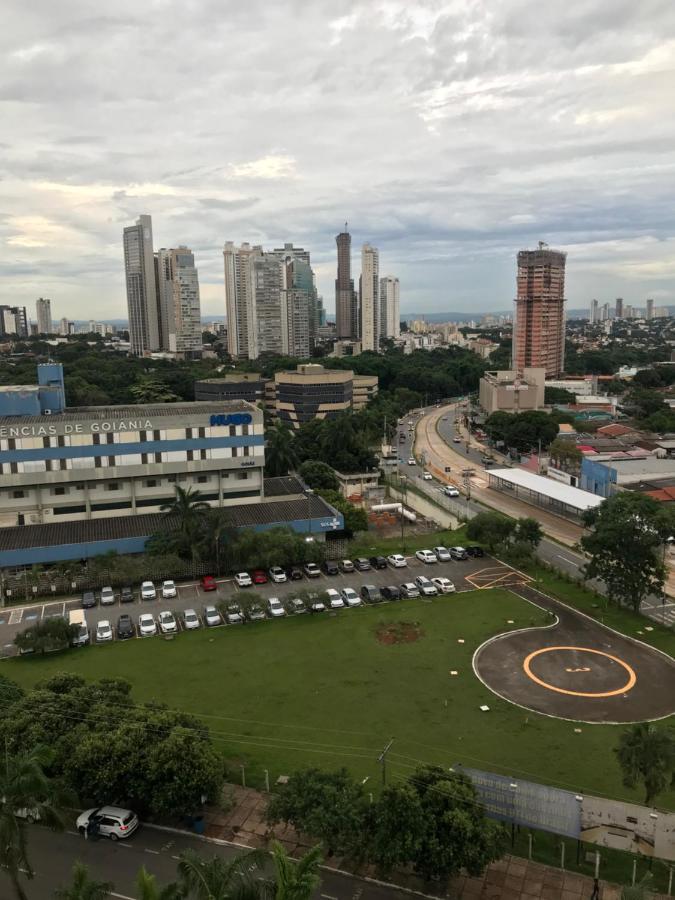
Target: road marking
[(328, 897), (15, 616), (632, 677), (148, 850), (573, 562), (121, 896), (73, 832)]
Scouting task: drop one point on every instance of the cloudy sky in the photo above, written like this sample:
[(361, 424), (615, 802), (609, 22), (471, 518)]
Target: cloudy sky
[(448, 134)]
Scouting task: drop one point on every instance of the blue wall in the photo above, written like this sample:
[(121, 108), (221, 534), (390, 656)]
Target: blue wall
[(597, 477), (16, 401)]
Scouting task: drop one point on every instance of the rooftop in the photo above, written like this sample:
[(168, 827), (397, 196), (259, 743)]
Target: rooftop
[(555, 490), (141, 410)]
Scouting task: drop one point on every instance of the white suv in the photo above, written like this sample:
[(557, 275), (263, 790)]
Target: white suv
[(275, 607), (148, 591), (335, 599), (108, 821)]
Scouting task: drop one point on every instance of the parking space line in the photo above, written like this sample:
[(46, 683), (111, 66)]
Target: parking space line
[(15, 616)]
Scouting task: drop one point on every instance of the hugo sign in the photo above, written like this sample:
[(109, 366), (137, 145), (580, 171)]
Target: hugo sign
[(232, 419)]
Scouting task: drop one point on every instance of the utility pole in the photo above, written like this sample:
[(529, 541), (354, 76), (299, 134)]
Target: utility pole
[(382, 758)]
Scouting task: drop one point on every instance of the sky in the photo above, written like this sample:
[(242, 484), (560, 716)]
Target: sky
[(448, 134)]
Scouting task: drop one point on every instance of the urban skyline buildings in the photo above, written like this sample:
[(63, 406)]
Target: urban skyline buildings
[(369, 298), (390, 307), (142, 299), (43, 311), (346, 302)]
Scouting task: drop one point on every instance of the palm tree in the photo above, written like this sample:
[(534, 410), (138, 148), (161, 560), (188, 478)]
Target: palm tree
[(218, 528), (295, 879), (646, 754), (83, 887), (220, 879), (187, 506), (280, 454), (148, 888), (24, 787)]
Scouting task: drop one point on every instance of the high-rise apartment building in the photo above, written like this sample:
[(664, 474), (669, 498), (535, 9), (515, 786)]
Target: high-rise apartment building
[(239, 298), (13, 321), (649, 313), (539, 324), (604, 312), (390, 307), (43, 309), (179, 306), (369, 298), (618, 308), (346, 306), (142, 296), (593, 315), (66, 327)]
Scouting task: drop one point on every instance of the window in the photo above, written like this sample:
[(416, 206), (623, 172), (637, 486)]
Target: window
[(242, 476), (151, 482), (58, 490), (171, 479), (201, 432), (202, 479), (17, 495), (112, 486)]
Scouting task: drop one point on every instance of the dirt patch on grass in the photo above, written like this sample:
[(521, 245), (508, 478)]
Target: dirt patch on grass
[(399, 633)]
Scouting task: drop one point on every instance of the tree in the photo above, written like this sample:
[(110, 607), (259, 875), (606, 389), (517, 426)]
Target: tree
[(220, 879), (564, 454), (280, 454), (646, 755), (319, 475), (188, 507), (628, 519), (295, 880), (644, 402), (639, 891), (528, 531), (151, 389), (396, 828), (558, 395), (48, 635), (491, 529), (24, 786), (148, 889), (356, 518), (82, 887)]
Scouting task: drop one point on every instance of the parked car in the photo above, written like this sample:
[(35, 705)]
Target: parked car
[(146, 625), (243, 579), (259, 577), (107, 821), (391, 592), (334, 598), (397, 561), (425, 586), (346, 566), (426, 556), (208, 583), (350, 597), (296, 606), (212, 617), (277, 575), (107, 596), (361, 564), (409, 590), (127, 594), (476, 552), (148, 591), (190, 620), (234, 615), (104, 631), (370, 593), (255, 613), (412, 461), (442, 554), (312, 570), (275, 607), (427, 476), (316, 604), (88, 600), (459, 553), (169, 590), (125, 627), (294, 573), (450, 491), (167, 622), (378, 562), (444, 585), (330, 567)]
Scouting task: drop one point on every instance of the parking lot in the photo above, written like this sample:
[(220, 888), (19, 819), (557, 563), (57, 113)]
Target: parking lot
[(466, 575)]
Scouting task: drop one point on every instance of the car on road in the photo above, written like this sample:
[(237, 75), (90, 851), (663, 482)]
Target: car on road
[(107, 596), (412, 461), (169, 590), (294, 573), (370, 593), (107, 821), (426, 556), (259, 577), (475, 552), (167, 622), (442, 554), (397, 561), (346, 566), (277, 575), (425, 586), (350, 597), (275, 608), (427, 476), (208, 583), (212, 617), (125, 627), (316, 604), (234, 615), (146, 625), (104, 631), (361, 564), (296, 606), (127, 594), (391, 592), (88, 600), (334, 598), (456, 440), (451, 491), (255, 613), (444, 585), (148, 591), (330, 567), (242, 579), (459, 553), (191, 620), (487, 460), (312, 570), (409, 590)]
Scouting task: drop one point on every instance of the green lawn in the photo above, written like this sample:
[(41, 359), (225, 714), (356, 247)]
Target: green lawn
[(324, 691)]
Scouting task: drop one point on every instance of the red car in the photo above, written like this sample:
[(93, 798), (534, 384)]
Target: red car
[(209, 583), (259, 577)]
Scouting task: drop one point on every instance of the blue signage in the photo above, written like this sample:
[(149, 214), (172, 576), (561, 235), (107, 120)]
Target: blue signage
[(232, 419)]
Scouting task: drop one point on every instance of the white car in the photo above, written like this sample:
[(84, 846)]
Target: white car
[(397, 561), (412, 461), (212, 616), (451, 492), (316, 604), (334, 598), (109, 821), (107, 596), (167, 622), (243, 579), (275, 607), (148, 591), (444, 585), (190, 620), (350, 597), (426, 556), (457, 440), (427, 476), (104, 631), (425, 586), (442, 554), (146, 625), (277, 575), (169, 590)]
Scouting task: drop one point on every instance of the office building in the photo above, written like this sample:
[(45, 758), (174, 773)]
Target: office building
[(510, 391), (539, 325), (313, 392), (649, 312), (248, 386), (43, 309), (142, 296), (593, 316), (346, 306), (618, 308), (13, 321), (390, 307), (178, 293), (369, 298)]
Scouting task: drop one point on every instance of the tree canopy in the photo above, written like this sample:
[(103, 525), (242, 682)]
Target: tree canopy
[(646, 755)]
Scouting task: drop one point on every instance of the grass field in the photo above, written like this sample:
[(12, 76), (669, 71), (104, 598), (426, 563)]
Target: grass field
[(325, 691)]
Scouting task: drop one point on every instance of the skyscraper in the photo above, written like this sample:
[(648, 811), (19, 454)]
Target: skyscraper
[(142, 297), (604, 312), (618, 309), (390, 307), (239, 298), (13, 320), (369, 298), (43, 309), (539, 322), (179, 307), (593, 316), (650, 309), (346, 307)]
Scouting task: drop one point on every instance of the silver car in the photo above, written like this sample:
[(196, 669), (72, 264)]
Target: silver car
[(104, 631), (190, 620), (212, 616), (107, 821), (107, 596)]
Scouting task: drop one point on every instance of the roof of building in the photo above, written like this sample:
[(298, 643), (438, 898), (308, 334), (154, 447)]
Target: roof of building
[(554, 490), (615, 430), (566, 428), (141, 410)]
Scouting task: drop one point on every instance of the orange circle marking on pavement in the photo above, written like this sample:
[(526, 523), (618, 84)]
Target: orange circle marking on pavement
[(632, 677)]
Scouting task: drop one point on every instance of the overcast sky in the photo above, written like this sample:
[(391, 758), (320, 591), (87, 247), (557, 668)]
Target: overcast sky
[(449, 135)]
